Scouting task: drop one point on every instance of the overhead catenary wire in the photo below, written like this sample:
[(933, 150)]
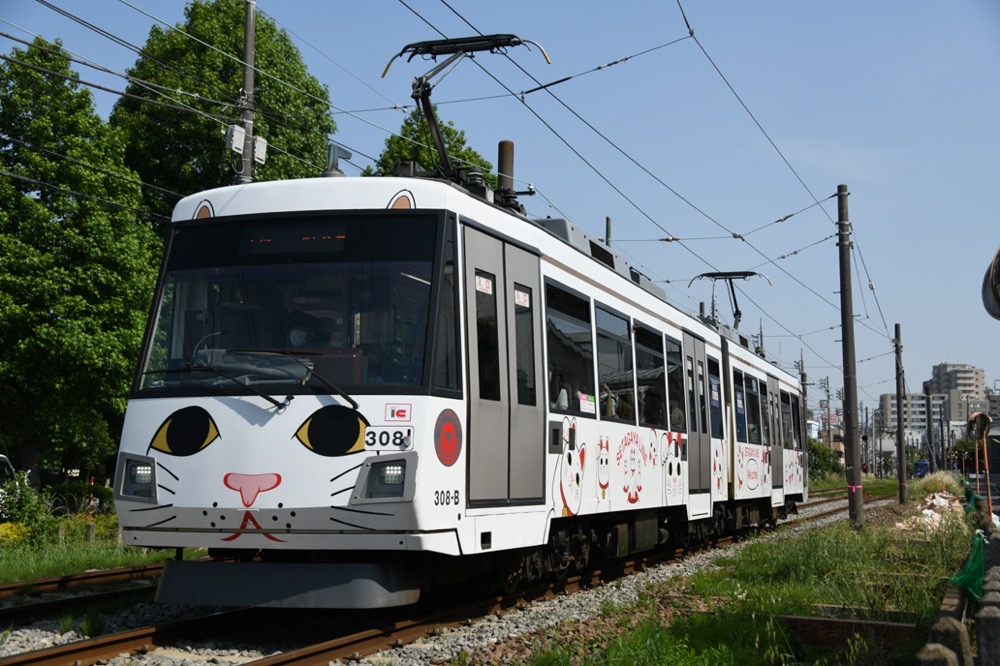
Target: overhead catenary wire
[(783, 256), (106, 172), (74, 193), (630, 158)]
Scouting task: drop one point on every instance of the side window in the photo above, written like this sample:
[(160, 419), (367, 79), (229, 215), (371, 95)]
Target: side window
[(786, 420), (487, 336), (692, 383), (714, 398), (446, 368), (753, 410), (614, 366), (651, 377), (524, 348), (702, 407), (796, 423), (569, 340), (765, 415), (741, 406), (675, 386)]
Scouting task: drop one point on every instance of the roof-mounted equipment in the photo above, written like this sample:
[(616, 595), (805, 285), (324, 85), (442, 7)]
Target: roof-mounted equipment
[(455, 49)]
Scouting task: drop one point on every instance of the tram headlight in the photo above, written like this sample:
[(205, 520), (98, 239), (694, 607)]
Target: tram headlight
[(136, 477), (386, 479), (392, 474)]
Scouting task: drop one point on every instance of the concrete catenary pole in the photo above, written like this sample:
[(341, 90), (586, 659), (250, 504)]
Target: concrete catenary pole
[(900, 445), (852, 452), (930, 428), (246, 93)]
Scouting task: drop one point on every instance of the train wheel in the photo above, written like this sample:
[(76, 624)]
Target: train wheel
[(511, 574)]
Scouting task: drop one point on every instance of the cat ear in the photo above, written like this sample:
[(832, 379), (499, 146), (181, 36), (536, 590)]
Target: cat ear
[(402, 200)]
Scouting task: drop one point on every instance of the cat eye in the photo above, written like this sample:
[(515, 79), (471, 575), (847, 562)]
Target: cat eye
[(185, 432), (334, 430)]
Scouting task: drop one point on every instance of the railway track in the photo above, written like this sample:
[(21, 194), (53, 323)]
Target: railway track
[(85, 579), (340, 637)]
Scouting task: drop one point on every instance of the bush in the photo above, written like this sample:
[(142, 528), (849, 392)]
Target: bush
[(70, 498), (20, 503), (822, 460), (13, 533)]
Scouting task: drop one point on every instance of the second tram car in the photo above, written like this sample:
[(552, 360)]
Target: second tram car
[(352, 389)]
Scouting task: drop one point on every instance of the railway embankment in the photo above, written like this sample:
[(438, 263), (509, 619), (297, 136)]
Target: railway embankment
[(967, 630)]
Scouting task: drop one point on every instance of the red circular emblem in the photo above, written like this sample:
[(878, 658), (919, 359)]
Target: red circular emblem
[(447, 438)]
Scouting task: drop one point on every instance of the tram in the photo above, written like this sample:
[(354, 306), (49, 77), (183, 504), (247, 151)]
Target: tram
[(353, 390)]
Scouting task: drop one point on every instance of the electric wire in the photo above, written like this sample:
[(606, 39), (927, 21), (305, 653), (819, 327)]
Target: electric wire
[(616, 147), (598, 69), (106, 172), (75, 194)]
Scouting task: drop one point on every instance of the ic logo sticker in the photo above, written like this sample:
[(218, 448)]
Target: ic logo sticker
[(398, 412), (447, 438)]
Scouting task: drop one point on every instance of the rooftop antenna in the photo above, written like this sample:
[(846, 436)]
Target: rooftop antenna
[(728, 277), (456, 49)]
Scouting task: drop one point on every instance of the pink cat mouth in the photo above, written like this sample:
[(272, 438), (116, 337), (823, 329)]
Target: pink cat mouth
[(250, 520)]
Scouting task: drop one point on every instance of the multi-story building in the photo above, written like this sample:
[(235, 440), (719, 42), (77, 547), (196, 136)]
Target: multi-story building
[(968, 380), (994, 399), (914, 411)]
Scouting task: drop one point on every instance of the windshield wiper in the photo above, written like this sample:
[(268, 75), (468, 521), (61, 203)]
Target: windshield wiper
[(188, 368), (294, 356)]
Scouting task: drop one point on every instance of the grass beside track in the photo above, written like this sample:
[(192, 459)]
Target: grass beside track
[(731, 614), (26, 562)]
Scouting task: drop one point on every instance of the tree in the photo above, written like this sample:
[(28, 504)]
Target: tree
[(414, 143), (822, 459), (77, 267), (183, 150)]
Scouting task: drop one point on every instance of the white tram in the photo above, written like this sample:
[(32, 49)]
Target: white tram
[(353, 389)]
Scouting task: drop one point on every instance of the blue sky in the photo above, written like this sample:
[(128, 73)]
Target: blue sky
[(766, 112)]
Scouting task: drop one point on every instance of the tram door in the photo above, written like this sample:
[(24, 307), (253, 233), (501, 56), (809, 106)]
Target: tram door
[(699, 435), (506, 422), (777, 435)]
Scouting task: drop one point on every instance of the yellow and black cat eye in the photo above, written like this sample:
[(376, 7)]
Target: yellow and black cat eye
[(334, 430), (185, 432)]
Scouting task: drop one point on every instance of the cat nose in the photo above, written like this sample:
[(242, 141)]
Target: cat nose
[(251, 485)]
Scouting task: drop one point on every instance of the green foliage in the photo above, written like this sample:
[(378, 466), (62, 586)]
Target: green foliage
[(414, 143), (843, 566), (23, 505), (933, 483), (92, 625), (77, 266), (81, 496), (13, 533), (823, 460), (185, 152)]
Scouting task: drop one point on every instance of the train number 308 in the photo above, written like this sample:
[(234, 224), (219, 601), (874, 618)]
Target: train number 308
[(445, 497), (384, 437)]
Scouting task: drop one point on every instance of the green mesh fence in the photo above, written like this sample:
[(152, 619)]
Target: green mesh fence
[(970, 578)]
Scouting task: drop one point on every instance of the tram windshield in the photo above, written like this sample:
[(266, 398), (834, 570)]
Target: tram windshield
[(249, 304)]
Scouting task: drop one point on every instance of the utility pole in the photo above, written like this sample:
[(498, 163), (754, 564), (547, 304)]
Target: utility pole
[(900, 446), (944, 442), (852, 454), (825, 385), (930, 428), (866, 456), (245, 174)]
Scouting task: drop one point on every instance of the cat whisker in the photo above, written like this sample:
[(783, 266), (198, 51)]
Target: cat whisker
[(151, 508), (160, 465), (370, 513), (166, 520), (360, 527)]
